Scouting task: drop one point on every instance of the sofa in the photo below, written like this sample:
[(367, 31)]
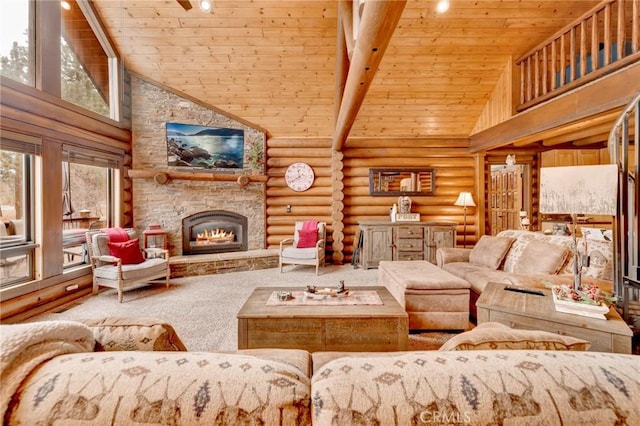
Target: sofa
[(127, 371), (526, 258)]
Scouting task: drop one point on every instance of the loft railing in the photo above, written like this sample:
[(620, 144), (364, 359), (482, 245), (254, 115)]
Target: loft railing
[(604, 39), (624, 150)]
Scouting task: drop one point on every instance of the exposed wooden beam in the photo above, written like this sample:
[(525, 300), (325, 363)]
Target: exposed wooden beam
[(186, 4), (342, 56), (594, 139), (379, 21), (345, 23)]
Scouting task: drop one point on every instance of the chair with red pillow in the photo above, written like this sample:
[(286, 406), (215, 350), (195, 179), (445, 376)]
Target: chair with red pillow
[(118, 262), (306, 247)]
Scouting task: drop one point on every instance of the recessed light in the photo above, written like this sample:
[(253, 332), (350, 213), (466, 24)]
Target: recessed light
[(206, 5), (443, 6), (65, 5)]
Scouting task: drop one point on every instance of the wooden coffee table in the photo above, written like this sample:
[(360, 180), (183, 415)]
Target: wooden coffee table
[(353, 328), (535, 312)]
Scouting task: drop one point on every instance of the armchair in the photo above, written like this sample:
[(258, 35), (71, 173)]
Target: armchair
[(290, 253), (110, 271)]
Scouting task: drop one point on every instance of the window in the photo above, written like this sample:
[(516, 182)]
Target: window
[(15, 50), (88, 195), (17, 247), (84, 64)]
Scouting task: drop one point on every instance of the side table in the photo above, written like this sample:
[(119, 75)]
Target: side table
[(537, 312)]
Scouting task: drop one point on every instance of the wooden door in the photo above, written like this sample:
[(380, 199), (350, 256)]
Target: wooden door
[(505, 198)]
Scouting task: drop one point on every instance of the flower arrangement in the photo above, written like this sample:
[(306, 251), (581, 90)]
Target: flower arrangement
[(255, 156), (589, 294)]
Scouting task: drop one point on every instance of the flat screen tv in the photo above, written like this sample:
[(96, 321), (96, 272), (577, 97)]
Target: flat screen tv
[(204, 147)]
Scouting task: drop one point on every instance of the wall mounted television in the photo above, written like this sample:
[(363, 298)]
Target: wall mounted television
[(203, 147)]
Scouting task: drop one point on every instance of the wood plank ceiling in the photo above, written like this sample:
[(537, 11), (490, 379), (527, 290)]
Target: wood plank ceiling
[(273, 62)]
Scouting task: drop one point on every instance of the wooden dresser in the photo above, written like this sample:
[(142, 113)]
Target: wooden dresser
[(386, 240)]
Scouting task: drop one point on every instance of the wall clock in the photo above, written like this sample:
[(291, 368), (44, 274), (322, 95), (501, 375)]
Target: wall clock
[(299, 176)]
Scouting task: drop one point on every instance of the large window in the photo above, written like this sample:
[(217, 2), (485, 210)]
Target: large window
[(15, 61), (17, 246), (88, 195), (84, 75)]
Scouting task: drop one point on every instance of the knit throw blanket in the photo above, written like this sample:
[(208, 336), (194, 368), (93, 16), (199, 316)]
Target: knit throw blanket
[(116, 235), (25, 346)]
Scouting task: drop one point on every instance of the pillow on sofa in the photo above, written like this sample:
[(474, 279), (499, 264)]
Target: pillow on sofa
[(495, 335), (127, 251), (133, 334), (541, 257), (490, 250)]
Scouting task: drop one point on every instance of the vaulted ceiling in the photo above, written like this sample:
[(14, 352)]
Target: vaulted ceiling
[(273, 62)]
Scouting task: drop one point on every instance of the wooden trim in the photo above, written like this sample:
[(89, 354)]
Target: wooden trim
[(165, 176), (379, 21)]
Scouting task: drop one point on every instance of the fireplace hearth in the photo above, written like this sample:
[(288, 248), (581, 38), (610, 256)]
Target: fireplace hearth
[(214, 231)]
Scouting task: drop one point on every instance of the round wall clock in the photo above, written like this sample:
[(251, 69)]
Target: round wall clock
[(299, 176)]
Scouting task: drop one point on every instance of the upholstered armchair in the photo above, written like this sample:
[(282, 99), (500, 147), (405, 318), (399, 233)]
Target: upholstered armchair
[(133, 266), (305, 247)]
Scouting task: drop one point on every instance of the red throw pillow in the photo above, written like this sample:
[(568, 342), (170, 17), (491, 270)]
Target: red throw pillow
[(307, 238), (128, 251)]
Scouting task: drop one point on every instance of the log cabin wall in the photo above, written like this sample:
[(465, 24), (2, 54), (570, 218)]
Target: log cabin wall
[(455, 171)]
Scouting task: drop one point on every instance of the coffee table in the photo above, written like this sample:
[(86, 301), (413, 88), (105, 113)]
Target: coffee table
[(537, 312), (352, 328)]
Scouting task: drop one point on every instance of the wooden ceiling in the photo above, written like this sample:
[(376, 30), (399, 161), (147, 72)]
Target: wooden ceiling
[(273, 62)]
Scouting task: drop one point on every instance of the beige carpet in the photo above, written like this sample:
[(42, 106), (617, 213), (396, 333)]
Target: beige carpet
[(203, 309)]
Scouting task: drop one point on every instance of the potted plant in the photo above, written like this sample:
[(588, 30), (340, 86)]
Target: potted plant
[(255, 157)]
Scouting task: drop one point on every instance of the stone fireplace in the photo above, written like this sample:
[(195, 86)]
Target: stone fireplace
[(214, 231)]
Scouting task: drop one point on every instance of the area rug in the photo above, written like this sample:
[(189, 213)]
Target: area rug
[(203, 309)]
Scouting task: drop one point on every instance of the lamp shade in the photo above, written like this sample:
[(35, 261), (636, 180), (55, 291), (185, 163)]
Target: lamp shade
[(579, 189), (465, 199)]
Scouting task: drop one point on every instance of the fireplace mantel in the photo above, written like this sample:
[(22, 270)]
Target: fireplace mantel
[(163, 177)]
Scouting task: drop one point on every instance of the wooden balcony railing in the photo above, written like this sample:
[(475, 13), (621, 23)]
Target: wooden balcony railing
[(604, 39)]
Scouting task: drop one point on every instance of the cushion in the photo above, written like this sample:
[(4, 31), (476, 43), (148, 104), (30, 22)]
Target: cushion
[(307, 238), (133, 334), (541, 257), (494, 335), (490, 251), (127, 251)]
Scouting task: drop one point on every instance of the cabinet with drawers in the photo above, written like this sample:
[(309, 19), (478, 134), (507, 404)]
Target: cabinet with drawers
[(403, 241)]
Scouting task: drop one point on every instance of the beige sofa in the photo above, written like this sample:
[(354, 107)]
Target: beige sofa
[(525, 258), (66, 372)]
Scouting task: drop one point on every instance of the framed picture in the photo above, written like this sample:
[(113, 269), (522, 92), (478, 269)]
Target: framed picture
[(203, 147)]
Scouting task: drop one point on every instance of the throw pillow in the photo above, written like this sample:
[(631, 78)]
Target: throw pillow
[(494, 335), (127, 251), (307, 238), (541, 257), (490, 250), (133, 334)]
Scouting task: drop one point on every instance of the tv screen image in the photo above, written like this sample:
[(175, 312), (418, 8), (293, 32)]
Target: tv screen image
[(203, 147)]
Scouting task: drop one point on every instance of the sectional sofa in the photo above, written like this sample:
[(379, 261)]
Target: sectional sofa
[(526, 258), (129, 372)]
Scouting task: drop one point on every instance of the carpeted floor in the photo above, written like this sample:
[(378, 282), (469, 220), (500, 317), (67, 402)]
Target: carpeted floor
[(203, 309)]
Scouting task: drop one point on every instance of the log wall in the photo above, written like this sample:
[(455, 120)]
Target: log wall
[(340, 192)]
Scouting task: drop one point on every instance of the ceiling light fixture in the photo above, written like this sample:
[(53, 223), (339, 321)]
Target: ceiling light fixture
[(206, 5), (443, 6), (65, 5)]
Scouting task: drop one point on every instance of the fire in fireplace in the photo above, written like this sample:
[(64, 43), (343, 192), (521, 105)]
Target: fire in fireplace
[(214, 231)]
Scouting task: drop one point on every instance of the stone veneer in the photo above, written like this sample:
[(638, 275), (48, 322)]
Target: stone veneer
[(152, 108)]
